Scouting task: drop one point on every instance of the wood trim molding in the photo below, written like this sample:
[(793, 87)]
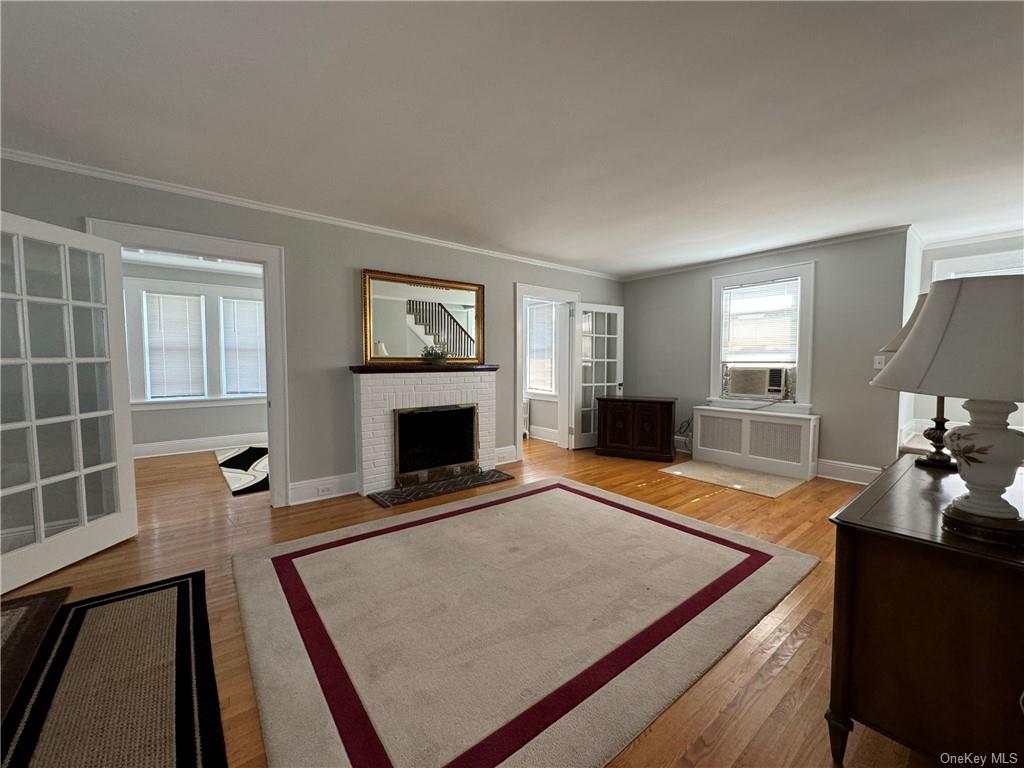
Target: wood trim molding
[(196, 444), (320, 488), (861, 474), (406, 367)]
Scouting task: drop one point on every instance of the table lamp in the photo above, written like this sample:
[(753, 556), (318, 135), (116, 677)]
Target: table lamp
[(936, 457), (968, 341)]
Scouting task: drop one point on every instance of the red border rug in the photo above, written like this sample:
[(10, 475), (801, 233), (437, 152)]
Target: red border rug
[(362, 743)]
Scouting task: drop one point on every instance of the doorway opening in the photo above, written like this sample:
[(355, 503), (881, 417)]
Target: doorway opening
[(204, 326), (197, 361), (544, 353)]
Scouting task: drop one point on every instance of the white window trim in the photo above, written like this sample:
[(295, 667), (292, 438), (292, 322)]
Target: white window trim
[(212, 293), (943, 269), (544, 394), (804, 271), (533, 394), (177, 403)]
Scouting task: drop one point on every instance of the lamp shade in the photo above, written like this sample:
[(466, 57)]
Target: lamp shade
[(967, 341), (897, 340)]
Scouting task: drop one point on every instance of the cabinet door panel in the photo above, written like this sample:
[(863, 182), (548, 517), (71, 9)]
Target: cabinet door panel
[(618, 424), (649, 427)]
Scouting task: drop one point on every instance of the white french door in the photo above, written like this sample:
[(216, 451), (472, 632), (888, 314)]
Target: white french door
[(597, 366), (68, 482)]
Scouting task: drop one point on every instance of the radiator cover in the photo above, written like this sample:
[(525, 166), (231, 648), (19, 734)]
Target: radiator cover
[(778, 443)]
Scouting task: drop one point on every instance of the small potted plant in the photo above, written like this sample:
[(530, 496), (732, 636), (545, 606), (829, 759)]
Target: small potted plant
[(436, 354)]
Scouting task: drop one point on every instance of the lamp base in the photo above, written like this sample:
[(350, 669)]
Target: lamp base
[(990, 530), (936, 461), (937, 458)]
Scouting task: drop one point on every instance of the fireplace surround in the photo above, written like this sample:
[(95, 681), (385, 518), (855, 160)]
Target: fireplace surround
[(435, 443), (380, 390)]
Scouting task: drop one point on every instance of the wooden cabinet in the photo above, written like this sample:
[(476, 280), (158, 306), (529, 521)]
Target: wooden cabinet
[(927, 631), (636, 427)]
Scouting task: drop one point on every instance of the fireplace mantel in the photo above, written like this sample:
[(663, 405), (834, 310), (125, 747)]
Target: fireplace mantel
[(423, 368)]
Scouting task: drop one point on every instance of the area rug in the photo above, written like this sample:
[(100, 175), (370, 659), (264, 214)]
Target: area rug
[(246, 470), (736, 478), (397, 496), (544, 625), (23, 625), (122, 680)]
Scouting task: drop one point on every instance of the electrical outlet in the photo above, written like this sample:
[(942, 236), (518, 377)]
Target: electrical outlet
[(323, 490), (879, 362)]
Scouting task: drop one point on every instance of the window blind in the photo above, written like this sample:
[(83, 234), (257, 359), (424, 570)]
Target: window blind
[(761, 323), (175, 355), (244, 347), (540, 357)]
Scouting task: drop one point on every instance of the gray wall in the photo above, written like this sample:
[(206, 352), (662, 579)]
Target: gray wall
[(858, 307), (203, 277), (322, 274), (544, 413), (161, 425)]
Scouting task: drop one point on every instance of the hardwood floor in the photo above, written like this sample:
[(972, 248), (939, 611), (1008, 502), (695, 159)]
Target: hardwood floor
[(761, 705)]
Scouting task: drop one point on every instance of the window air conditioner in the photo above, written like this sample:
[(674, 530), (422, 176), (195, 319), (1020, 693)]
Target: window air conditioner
[(763, 383)]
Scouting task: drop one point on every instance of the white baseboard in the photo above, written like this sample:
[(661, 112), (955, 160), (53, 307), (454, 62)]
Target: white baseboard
[(505, 455), (860, 474), (170, 447), (544, 433), (320, 488)]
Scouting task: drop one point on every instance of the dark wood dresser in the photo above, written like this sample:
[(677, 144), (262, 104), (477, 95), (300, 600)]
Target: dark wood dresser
[(928, 634), (636, 427)]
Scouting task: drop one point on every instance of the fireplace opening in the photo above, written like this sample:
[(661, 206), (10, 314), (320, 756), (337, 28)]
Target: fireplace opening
[(435, 443)]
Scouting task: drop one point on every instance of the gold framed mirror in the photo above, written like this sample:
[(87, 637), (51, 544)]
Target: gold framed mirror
[(402, 314)]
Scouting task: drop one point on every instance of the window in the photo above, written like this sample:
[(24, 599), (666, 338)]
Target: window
[(244, 351), (763, 317), (761, 322), (174, 345), (540, 347)]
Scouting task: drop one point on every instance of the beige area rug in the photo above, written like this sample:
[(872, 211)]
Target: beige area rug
[(739, 479), (544, 625)]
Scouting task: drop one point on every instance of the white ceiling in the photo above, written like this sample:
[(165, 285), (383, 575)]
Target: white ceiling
[(615, 137)]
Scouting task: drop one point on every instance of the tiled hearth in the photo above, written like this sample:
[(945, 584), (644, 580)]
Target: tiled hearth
[(378, 394)]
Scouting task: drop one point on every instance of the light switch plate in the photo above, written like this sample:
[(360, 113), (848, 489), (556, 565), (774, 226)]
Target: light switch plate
[(879, 362)]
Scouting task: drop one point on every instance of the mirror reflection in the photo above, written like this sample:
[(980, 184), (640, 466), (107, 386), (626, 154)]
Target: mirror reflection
[(405, 315)]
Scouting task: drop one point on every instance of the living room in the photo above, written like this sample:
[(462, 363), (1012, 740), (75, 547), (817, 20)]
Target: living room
[(540, 384)]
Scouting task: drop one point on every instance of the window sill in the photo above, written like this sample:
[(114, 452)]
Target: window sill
[(551, 397), (760, 405), (168, 404)]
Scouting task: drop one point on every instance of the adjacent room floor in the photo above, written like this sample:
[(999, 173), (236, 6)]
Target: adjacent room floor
[(761, 705)]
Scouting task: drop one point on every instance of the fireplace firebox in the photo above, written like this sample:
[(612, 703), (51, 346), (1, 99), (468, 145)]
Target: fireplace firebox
[(435, 443)]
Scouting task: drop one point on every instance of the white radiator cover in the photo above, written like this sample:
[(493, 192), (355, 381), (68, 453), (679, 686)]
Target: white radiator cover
[(778, 443)]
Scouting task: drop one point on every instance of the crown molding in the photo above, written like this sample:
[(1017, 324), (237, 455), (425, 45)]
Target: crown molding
[(56, 164), (902, 228)]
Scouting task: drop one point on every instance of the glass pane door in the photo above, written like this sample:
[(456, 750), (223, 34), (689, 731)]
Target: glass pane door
[(57, 405), (599, 332)]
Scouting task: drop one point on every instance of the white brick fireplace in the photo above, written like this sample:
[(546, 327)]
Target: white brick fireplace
[(377, 396)]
